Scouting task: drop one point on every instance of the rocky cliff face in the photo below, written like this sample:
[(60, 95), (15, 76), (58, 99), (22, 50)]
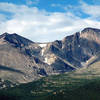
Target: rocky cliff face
[(77, 48), (19, 61), (22, 60), (82, 46)]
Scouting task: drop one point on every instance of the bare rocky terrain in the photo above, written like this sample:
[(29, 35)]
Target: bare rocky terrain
[(23, 61)]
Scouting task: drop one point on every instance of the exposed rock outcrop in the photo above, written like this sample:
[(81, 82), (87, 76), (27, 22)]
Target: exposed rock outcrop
[(22, 60)]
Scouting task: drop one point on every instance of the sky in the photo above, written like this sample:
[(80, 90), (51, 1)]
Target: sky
[(48, 20)]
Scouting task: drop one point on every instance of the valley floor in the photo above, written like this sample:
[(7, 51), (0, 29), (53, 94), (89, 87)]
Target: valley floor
[(58, 87)]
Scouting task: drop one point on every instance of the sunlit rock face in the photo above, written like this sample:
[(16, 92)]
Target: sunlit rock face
[(91, 34), (82, 46)]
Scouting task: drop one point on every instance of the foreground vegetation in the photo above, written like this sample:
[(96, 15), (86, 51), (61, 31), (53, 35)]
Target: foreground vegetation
[(59, 87)]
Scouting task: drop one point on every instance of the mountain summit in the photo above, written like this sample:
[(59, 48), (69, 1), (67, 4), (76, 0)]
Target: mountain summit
[(22, 60), (15, 39)]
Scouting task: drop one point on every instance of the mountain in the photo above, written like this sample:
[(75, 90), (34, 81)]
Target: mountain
[(66, 69), (17, 62), (77, 48), (22, 60)]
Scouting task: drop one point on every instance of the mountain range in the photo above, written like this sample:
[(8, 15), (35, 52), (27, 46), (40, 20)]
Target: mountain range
[(22, 60), (50, 71)]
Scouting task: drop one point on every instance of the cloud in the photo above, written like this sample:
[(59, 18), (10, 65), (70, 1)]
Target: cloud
[(92, 10), (32, 2), (56, 5), (41, 25)]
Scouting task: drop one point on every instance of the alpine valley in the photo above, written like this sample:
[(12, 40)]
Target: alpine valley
[(67, 69)]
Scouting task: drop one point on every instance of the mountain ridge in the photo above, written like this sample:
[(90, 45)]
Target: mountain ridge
[(38, 60)]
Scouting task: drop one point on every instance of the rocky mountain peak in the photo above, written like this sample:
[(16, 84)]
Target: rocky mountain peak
[(16, 40), (91, 34), (4, 35), (89, 29)]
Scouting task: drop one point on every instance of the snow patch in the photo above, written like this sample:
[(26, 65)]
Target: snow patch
[(46, 60), (43, 45), (83, 63), (78, 45), (42, 52)]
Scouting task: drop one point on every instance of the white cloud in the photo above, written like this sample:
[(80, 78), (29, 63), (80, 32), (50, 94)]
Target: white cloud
[(92, 10), (32, 2), (40, 25), (56, 5)]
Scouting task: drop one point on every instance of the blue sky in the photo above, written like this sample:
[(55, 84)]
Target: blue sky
[(48, 20)]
